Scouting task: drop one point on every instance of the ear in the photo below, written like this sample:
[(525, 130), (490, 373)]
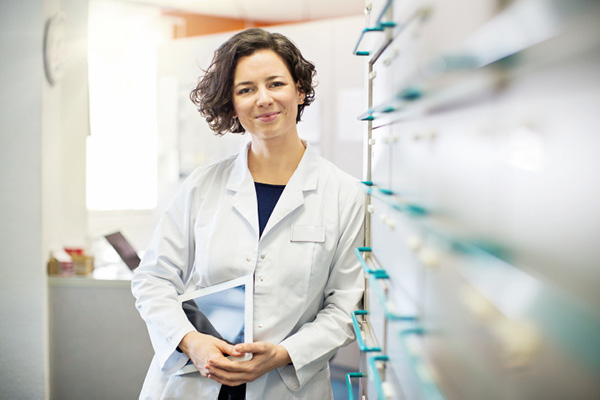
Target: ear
[(301, 94)]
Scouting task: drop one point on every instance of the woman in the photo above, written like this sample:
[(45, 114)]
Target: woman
[(276, 210)]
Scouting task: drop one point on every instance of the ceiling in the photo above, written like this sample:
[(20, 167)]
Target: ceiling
[(264, 10)]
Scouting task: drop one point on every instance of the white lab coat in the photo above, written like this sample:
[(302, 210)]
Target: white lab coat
[(306, 285)]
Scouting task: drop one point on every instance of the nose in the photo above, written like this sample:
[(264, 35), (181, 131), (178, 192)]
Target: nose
[(264, 98)]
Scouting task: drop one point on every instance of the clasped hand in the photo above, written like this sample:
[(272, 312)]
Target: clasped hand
[(209, 355)]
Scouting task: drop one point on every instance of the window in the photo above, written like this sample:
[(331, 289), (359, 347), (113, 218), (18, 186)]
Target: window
[(121, 149)]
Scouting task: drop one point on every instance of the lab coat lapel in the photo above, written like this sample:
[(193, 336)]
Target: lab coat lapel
[(241, 183), (305, 178)]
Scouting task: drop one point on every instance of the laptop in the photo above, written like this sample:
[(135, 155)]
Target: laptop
[(124, 249)]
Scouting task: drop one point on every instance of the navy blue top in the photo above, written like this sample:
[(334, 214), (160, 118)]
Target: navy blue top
[(267, 197)]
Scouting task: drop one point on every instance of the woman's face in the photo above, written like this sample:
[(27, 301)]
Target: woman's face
[(265, 96)]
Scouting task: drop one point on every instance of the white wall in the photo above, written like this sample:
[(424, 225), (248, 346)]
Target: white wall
[(65, 123), (23, 292), (42, 181)]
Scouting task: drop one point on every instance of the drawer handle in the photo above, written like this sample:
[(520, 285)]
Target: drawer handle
[(394, 200), (365, 266), (361, 344), (349, 376), (399, 102), (357, 52), (429, 387), (389, 314), (380, 26), (374, 373)]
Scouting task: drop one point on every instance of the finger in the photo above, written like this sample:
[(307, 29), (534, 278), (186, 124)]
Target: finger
[(229, 349), (241, 348), (257, 347), (203, 372), (226, 380), (218, 379), (226, 364)]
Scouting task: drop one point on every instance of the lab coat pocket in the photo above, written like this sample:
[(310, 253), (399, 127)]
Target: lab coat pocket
[(307, 252), (313, 239), (307, 233)]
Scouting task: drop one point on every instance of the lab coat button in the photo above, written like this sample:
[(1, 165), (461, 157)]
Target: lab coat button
[(260, 325), (262, 278), (248, 259), (262, 256)]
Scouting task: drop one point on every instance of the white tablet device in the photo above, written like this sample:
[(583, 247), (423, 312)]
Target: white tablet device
[(223, 310)]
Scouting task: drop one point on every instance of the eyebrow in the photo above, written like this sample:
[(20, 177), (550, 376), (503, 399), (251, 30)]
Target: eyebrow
[(270, 78)]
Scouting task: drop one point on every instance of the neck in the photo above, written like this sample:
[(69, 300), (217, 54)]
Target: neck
[(274, 162)]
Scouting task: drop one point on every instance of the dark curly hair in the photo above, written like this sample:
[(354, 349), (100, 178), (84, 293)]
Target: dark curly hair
[(214, 93)]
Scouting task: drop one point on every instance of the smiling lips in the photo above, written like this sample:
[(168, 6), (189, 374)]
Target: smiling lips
[(267, 117)]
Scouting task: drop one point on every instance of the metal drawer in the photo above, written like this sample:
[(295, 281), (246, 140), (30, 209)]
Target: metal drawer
[(381, 163), (461, 343), (395, 243)]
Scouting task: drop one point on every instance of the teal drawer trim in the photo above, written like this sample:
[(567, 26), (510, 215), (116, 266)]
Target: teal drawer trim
[(368, 270), (373, 372), (361, 343), (350, 376)]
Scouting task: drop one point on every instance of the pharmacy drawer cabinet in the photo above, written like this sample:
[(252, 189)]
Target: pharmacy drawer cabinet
[(482, 175)]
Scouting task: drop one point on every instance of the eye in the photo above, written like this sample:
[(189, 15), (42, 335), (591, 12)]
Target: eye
[(277, 84), (244, 91)]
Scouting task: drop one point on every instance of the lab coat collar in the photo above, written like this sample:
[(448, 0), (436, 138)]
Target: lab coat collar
[(240, 181), (306, 176)]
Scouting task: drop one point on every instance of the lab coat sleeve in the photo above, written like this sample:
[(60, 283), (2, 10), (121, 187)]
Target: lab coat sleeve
[(316, 342), (162, 275)]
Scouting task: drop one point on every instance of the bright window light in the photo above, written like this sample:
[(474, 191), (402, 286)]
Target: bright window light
[(121, 150)]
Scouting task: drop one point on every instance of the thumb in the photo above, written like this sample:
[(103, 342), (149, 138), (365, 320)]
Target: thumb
[(241, 348), (251, 347), (231, 350)]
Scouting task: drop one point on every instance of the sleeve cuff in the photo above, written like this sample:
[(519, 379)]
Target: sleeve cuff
[(171, 358), (296, 375)]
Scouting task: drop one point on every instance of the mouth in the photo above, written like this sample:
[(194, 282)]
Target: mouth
[(267, 117)]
